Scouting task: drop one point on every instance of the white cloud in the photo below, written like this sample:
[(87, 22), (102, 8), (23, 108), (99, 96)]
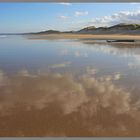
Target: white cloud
[(113, 77), (65, 3), (108, 20), (121, 17), (63, 17), (61, 65), (135, 63), (91, 71), (80, 54), (64, 52), (69, 94), (80, 13), (117, 76), (133, 3)]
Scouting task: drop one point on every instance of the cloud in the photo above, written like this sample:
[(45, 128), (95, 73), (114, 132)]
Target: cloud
[(135, 63), (81, 13), (63, 17), (113, 77), (133, 3), (121, 17), (23, 72), (80, 54), (61, 65), (113, 49), (65, 3), (64, 51), (91, 71), (108, 20), (117, 76), (73, 94)]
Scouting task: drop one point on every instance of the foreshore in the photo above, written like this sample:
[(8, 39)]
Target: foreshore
[(85, 36)]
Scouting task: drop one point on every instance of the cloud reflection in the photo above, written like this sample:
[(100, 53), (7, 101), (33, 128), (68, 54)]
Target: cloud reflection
[(54, 104), (61, 65)]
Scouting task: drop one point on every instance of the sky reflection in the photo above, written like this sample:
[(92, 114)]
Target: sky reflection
[(68, 88), (53, 101)]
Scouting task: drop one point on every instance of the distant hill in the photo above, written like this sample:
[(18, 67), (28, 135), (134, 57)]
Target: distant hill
[(122, 28), (48, 32), (52, 32)]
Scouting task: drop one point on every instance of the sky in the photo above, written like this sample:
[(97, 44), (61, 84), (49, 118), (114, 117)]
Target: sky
[(33, 17)]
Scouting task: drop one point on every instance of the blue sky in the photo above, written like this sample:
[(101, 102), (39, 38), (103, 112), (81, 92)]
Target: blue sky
[(32, 17)]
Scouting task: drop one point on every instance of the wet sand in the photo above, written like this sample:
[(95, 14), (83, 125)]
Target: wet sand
[(86, 36), (92, 100), (59, 105)]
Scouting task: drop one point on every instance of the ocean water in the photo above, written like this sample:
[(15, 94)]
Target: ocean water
[(68, 88)]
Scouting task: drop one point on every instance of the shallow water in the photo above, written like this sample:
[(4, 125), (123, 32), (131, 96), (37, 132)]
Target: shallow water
[(68, 88)]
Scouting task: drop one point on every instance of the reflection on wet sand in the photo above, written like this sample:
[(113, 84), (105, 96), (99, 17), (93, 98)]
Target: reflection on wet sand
[(123, 50), (115, 44), (54, 104)]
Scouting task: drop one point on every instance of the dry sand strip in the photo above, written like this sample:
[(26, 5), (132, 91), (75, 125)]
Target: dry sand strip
[(86, 36)]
